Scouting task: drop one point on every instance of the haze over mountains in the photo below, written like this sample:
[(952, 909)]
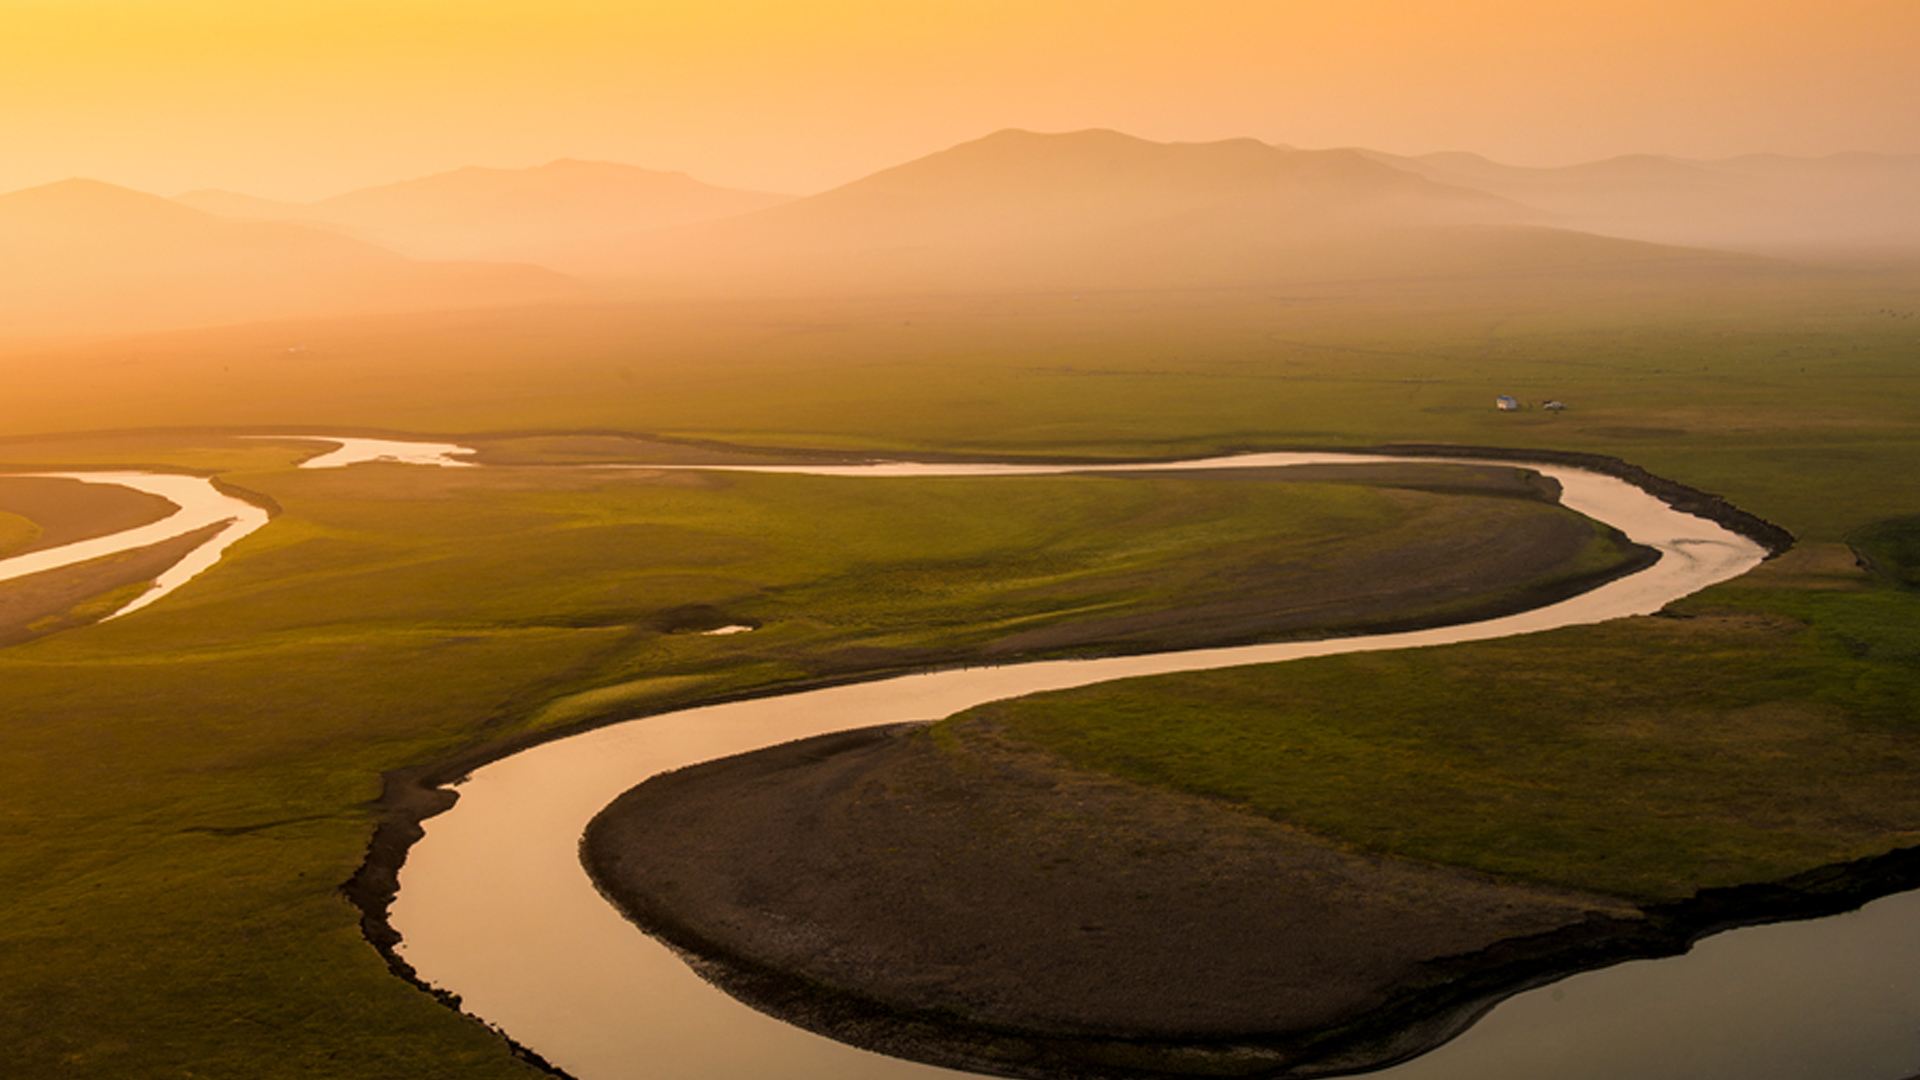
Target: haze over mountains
[(1759, 202), (82, 256), (517, 215), (1012, 210), (1099, 209)]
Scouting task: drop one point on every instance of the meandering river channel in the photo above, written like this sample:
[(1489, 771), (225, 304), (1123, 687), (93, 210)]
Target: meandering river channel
[(198, 503), (495, 906)]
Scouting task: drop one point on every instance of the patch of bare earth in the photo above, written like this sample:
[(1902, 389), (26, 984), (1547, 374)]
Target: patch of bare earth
[(68, 510), (989, 907)]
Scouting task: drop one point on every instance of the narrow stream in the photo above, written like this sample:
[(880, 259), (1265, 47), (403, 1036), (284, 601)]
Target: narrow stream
[(197, 502), (350, 450)]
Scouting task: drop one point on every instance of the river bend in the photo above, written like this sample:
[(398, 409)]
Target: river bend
[(495, 906)]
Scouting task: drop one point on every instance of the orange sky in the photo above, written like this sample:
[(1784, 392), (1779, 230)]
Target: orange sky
[(308, 97)]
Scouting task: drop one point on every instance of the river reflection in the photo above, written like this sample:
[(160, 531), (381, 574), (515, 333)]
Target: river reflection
[(1836, 998)]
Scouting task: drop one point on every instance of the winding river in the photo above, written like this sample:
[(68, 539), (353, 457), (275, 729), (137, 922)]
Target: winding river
[(352, 450), (197, 504), (495, 906)]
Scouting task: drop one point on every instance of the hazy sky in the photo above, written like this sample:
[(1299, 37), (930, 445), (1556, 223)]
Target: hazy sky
[(308, 97)]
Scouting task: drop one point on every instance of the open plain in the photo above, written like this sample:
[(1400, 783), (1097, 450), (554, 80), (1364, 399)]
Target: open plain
[(854, 541), (369, 632)]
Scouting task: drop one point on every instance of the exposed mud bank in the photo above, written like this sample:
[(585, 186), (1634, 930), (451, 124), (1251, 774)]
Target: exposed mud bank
[(808, 781), (1002, 914), (1416, 1022)]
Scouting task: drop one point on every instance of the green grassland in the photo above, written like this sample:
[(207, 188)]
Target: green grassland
[(1766, 727), (16, 532), (188, 788), (1787, 391), (1890, 550)]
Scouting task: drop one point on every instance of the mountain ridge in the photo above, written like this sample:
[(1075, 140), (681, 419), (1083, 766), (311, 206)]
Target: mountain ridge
[(1101, 209)]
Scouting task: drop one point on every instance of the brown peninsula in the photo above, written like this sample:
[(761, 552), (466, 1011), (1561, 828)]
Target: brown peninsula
[(981, 903)]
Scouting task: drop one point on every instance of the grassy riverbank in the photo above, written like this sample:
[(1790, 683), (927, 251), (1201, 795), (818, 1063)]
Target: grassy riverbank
[(17, 533), (188, 788), (1273, 858), (1790, 392), (43, 512), (1767, 727)]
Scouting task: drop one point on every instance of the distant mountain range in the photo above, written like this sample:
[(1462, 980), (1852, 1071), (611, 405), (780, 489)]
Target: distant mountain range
[(1099, 209), (1013, 210)]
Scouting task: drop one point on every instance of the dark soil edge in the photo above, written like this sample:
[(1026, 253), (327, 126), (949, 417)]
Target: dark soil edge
[(1474, 983), (1714, 508), (1454, 991), (412, 794)]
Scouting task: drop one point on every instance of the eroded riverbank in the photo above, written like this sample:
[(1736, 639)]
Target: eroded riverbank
[(850, 883), (981, 907)]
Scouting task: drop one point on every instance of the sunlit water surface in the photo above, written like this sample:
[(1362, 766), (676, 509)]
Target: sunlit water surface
[(197, 503), (354, 451), (495, 906)]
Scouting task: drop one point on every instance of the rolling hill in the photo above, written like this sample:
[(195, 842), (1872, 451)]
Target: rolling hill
[(1099, 209), (1760, 202), (1012, 211), (81, 256), (544, 215)]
